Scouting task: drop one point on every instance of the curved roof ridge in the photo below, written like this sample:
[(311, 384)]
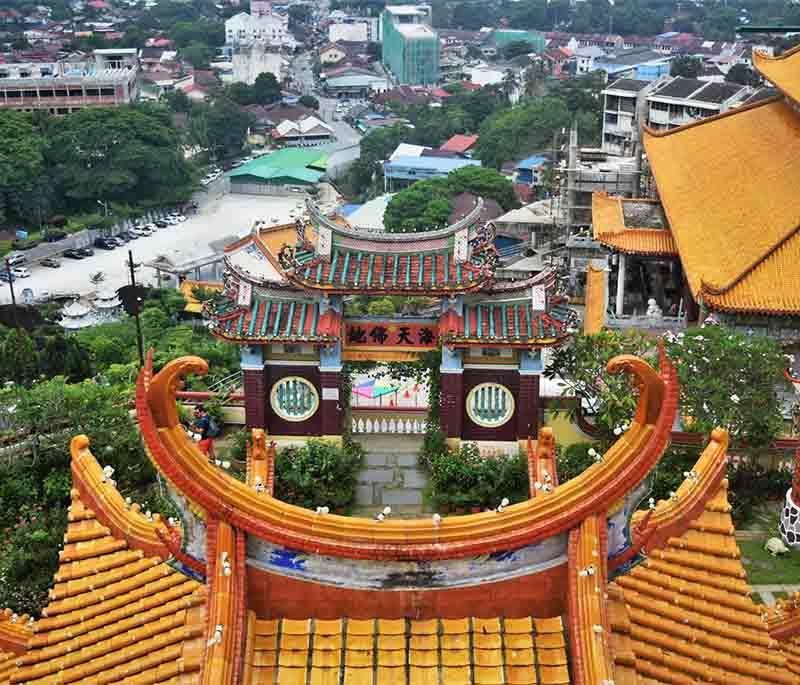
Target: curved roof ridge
[(95, 489), (625, 464), (778, 70), (708, 120), (712, 289)]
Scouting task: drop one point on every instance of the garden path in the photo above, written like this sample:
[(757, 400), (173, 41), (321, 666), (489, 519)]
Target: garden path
[(390, 476)]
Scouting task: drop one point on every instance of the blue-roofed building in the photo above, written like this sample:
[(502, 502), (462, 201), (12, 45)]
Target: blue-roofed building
[(529, 171), (403, 170)]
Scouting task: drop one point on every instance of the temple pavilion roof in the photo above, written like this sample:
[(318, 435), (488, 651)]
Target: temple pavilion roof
[(414, 270), (507, 324), (728, 189), (782, 71), (631, 226), (275, 320)]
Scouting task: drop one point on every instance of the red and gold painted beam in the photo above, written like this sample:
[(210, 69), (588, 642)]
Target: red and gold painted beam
[(624, 465)]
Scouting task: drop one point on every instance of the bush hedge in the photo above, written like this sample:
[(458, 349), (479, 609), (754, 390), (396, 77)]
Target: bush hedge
[(318, 474), (462, 480)]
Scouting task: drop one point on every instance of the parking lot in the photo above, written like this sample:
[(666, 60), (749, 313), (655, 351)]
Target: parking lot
[(218, 222)]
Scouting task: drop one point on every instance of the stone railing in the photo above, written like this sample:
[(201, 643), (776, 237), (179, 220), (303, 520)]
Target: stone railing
[(389, 421)]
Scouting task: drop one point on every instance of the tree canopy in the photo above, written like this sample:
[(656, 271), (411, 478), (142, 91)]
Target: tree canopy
[(426, 205), (687, 66)]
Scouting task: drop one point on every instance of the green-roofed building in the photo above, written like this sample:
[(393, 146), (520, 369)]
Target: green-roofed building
[(286, 167)]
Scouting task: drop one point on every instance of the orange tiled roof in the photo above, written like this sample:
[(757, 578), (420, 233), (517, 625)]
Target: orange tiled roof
[(377, 652), (609, 228), (594, 314), (114, 616), (685, 614), (728, 185), (783, 71)]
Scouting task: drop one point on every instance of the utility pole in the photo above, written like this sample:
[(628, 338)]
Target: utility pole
[(13, 298), (139, 339)]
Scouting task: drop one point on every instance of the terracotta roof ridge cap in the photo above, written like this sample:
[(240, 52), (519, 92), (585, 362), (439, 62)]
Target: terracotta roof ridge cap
[(713, 289), (652, 133)]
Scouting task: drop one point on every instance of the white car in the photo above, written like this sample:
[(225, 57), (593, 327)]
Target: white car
[(141, 231), (151, 227), (172, 220), (178, 217), (20, 272)]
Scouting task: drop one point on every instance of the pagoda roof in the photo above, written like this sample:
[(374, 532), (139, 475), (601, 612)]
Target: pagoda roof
[(783, 71), (354, 270), (728, 188), (276, 321), (631, 226), (117, 614), (507, 324)]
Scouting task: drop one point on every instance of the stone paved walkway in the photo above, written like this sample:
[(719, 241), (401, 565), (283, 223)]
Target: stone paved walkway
[(390, 476)]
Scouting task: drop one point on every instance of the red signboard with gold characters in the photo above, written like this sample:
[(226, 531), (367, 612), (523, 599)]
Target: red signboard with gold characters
[(390, 337)]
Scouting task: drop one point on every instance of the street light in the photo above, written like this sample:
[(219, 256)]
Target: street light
[(104, 205)]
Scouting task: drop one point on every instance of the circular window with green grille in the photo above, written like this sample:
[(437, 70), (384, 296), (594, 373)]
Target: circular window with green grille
[(490, 405), (294, 398)]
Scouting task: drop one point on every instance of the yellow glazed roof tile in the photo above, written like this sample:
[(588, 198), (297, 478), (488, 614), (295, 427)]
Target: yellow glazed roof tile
[(115, 615), (609, 228), (782, 71), (733, 223)]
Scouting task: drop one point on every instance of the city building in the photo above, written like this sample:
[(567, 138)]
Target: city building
[(410, 45), (723, 237), (410, 163), (353, 29), (245, 30), (530, 171), (460, 144), (306, 132), (663, 104), (504, 37), (331, 54), (110, 78), (638, 63), (284, 169), (353, 82)]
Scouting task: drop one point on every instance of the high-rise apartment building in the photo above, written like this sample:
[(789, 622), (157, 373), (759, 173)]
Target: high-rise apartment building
[(410, 45)]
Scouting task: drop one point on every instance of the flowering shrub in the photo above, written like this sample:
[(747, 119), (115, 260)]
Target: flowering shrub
[(729, 379)]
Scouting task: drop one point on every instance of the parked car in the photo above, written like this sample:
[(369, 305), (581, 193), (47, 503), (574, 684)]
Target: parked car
[(21, 272), (86, 251), (73, 253), (7, 277), (127, 236), (16, 258), (141, 231), (54, 236), (104, 243), (52, 262), (161, 223)]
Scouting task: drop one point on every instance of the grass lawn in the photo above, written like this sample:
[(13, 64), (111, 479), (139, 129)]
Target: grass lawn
[(764, 569)]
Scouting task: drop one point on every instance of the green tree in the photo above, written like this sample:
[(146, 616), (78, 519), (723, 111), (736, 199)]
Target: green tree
[(513, 133), (19, 358), (730, 379), (266, 89), (119, 154), (687, 66), (516, 48), (581, 366), (21, 163), (227, 126), (197, 54), (309, 101), (383, 306), (741, 73), (178, 101)]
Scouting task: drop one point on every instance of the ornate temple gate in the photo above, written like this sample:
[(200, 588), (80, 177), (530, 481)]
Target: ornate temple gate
[(286, 288)]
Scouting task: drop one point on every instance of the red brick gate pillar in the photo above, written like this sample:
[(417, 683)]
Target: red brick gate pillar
[(255, 390)]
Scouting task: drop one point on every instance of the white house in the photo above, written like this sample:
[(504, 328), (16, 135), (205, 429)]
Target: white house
[(306, 132), (243, 30)]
